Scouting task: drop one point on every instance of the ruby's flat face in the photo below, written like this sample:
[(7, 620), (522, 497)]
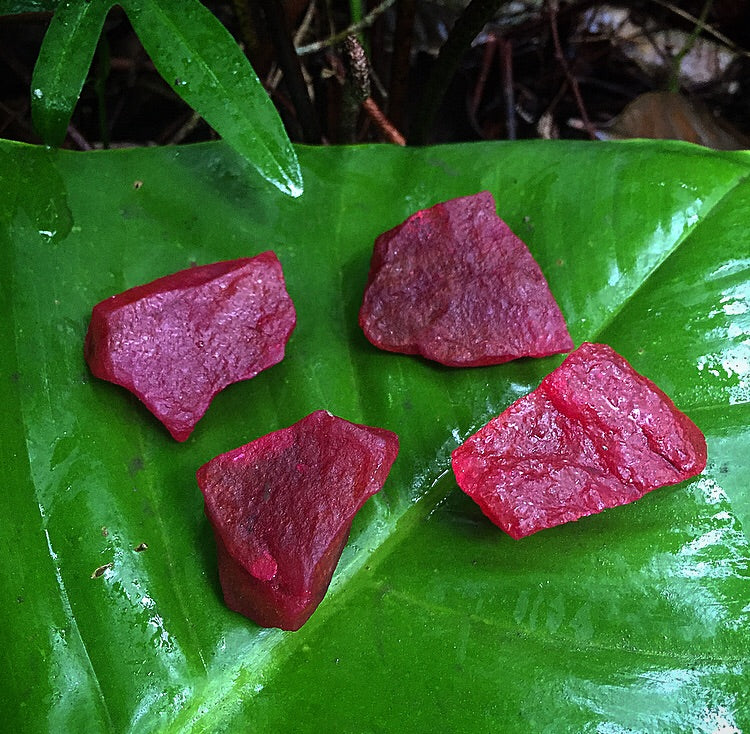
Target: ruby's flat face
[(594, 434), (282, 507), (454, 284), (181, 339)]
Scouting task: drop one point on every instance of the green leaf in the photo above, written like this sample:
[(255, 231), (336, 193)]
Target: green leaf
[(63, 64), (636, 619), (196, 56), (12, 7), (204, 65)]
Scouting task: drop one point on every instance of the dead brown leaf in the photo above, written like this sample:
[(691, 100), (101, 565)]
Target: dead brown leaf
[(672, 116)]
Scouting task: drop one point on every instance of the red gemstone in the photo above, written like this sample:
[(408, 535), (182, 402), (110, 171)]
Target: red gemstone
[(454, 284), (594, 434), (179, 340), (281, 508)]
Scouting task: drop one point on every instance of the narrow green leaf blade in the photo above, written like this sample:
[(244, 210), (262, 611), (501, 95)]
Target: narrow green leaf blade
[(200, 60), (634, 619), (63, 64)]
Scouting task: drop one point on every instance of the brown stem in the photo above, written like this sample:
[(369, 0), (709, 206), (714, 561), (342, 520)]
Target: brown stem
[(290, 65), (465, 30), (75, 135), (246, 25), (401, 60), (383, 123), (484, 71), (572, 81), (506, 62)]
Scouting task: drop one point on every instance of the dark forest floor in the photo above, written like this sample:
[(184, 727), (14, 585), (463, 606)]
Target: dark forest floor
[(537, 70)]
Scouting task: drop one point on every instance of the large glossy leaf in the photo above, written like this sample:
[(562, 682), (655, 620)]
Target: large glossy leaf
[(632, 620)]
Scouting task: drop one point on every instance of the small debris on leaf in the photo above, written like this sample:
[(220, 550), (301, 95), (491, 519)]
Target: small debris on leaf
[(181, 339), (141, 547), (100, 571), (594, 434), (135, 465), (281, 508), (455, 284)]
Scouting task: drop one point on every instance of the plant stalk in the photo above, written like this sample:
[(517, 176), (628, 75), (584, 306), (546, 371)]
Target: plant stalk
[(290, 65), (401, 60), (100, 86), (468, 25)]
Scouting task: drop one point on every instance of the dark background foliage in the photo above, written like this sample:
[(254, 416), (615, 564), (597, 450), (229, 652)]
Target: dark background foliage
[(535, 70)]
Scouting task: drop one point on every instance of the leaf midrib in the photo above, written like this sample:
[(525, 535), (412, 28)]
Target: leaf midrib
[(565, 642), (670, 254)]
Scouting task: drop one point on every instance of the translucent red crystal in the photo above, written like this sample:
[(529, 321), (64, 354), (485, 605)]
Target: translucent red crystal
[(179, 340), (282, 507), (454, 284), (593, 435)]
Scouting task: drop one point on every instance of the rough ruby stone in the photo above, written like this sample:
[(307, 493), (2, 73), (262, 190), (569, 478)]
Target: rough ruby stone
[(179, 340), (594, 434), (281, 508), (455, 285)]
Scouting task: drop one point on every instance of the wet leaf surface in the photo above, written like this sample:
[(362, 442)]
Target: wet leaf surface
[(636, 618)]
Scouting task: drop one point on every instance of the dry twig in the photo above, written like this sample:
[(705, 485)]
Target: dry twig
[(337, 38), (553, 7)]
